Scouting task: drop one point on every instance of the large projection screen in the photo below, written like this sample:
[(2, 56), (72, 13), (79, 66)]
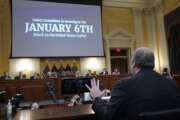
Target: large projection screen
[(51, 29)]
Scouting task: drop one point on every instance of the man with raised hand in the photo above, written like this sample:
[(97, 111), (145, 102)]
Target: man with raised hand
[(144, 91)]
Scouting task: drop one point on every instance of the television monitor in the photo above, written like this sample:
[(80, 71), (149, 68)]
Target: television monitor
[(51, 28), (75, 85)]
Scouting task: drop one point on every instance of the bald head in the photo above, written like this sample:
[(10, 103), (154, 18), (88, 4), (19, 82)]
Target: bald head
[(143, 57)]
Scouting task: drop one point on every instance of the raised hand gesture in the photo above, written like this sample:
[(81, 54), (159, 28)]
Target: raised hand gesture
[(94, 89)]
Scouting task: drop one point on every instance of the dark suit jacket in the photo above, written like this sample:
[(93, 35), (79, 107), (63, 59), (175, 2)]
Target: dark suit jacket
[(5, 77), (145, 91), (20, 78)]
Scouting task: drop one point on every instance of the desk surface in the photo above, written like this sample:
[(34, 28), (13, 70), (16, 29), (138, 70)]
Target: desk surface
[(60, 113)]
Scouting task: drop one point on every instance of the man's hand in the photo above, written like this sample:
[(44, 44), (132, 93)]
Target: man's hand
[(94, 90)]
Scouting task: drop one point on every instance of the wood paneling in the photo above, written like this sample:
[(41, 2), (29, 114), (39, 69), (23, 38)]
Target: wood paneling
[(5, 34), (35, 90), (31, 89), (170, 5)]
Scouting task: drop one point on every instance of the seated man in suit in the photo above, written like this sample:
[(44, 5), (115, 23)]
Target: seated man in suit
[(104, 72), (5, 76), (116, 72), (89, 73), (21, 76), (145, 91), (35, 76)]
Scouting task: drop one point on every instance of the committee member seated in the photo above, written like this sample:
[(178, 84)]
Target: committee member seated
[(78, 73), (21, 76), (145, 91), (94, 73), (104, 72), (5, 76), (89, 73), (116, 72), (51, 74), (35, 76)]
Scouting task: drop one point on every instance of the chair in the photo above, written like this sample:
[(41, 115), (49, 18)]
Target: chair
[(171, 114)]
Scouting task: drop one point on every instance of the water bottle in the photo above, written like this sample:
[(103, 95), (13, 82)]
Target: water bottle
[(9, 107)]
